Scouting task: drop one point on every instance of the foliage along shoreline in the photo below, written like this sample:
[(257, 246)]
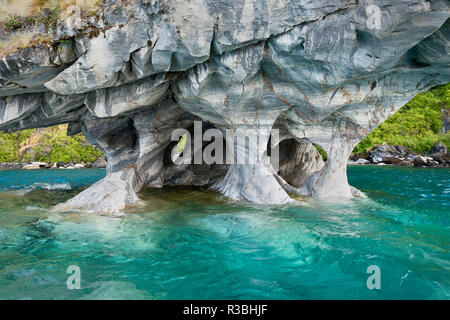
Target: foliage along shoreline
[(48, 145), (416, 126)]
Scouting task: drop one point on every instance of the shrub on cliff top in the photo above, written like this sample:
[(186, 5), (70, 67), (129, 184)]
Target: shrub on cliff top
[(417, 125)]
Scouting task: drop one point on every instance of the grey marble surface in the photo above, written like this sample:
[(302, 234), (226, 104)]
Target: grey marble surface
[(323, 72)]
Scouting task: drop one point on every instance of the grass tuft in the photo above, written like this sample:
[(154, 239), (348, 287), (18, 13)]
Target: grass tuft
[(23, 40), (19, 16)]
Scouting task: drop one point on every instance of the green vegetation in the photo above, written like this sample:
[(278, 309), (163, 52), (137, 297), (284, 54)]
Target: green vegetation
[(321, 151), (9, 145), (14, 22), (49, 18), (14, 13), (19, 16), (46, 16), (46, 145), (417, 125)]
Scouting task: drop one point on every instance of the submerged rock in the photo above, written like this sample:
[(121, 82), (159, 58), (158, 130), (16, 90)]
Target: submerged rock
[(318, 72)]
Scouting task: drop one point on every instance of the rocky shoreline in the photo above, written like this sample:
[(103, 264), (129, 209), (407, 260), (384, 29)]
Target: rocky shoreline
[(438, 157), (34, 165)]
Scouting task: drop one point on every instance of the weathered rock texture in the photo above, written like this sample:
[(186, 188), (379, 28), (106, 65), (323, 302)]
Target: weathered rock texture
[(323, 72)]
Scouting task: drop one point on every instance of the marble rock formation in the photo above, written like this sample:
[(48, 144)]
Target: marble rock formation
[(317, 72)]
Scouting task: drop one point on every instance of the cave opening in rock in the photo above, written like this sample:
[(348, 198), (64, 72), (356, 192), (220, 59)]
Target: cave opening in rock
[(187, 173), (124, 135), (298, 159)]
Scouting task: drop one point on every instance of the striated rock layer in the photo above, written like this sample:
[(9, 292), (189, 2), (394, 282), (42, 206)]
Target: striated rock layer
[(317, 72)]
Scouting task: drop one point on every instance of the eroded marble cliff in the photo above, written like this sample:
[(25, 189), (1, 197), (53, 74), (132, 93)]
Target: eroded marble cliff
[(323, 72)]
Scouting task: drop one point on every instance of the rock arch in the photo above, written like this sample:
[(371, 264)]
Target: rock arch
[(316, 68)]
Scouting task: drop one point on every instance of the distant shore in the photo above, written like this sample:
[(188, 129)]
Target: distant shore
[(439, 157), (401, 156), (97, 164)]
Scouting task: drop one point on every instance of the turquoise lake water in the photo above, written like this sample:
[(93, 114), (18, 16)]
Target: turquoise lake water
[(182, 243)]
